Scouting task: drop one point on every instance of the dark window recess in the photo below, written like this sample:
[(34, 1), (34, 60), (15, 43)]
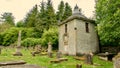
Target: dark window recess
[(75, 28), (87, 27), (65, 28)]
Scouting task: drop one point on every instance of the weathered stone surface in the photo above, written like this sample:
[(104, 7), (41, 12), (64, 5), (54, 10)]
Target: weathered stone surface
[(106, 56), (18, 54), (89, 59), (59, 60), (22, 66), (18, 48), (116, 61), (12, 63), (38, 50), (50, 50), (63, 59), (59, 54), (50, 55), (79, 41), (49, 47), (80, 58), (0, 50), (34, 53)]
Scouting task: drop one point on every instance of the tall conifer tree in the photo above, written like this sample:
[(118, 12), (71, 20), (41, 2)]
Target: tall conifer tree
[(31, 17), (68, 11), (50, 15), (7, 17), (60, 12)]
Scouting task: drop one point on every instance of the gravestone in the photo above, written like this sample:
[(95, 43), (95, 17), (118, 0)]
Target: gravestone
[(50, 49), (106, 56), (18, 48), (78, 66), (38, 50), (116, 61), (0, 50), (89, 58), (59, 54)]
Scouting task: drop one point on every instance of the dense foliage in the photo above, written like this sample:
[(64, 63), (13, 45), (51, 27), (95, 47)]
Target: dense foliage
[(10, 36), (31, 17), (108, 18), (60, 11), (28, 42), (67, 11), (50, 36), (7, 17), (38, 27), (4, 27)]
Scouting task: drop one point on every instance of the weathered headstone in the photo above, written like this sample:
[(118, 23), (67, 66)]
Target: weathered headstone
[(38, 50), (106, 56), (59, 54), (50, 49), (89, 58), (0, 50), (18, 48), (116, 61)]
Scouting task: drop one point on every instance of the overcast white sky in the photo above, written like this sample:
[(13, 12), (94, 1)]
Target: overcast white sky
[(19, 8)]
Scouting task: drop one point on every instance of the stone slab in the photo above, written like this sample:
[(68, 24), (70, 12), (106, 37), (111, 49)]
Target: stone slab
[(80, 58), (21, 66), (12, 63)]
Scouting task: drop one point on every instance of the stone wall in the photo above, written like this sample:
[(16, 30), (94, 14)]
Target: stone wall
[(86, 42), (72, 38), (71, 48)]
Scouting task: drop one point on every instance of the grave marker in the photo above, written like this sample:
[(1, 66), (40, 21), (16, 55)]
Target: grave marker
[(89, 58), (18, 48), (116, 61), (50, 50)]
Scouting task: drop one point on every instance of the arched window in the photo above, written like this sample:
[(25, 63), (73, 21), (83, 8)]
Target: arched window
[(87, 27), (65, 28)]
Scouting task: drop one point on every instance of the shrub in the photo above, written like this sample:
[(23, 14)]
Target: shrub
[(10, 36), (30, 42), (50, 36)]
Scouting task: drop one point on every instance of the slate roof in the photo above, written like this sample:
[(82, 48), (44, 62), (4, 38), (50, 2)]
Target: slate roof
[(77, 15)]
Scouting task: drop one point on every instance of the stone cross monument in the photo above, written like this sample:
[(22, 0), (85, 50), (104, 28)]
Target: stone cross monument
[(18, 48)]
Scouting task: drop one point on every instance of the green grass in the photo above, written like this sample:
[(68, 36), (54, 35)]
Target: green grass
[(45, 61)]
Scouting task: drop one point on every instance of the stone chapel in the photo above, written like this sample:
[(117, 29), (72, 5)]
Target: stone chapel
[(77, 35)]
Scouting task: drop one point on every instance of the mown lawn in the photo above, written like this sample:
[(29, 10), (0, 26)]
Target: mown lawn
[(6, 55)]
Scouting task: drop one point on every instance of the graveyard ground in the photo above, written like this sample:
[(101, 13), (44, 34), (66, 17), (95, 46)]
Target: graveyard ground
[(6, 55)]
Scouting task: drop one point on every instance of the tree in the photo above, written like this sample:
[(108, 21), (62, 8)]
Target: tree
[(10, 36), (31, 17), (42, 10), (7, 17), (50, 35), (20, 23), (4, 27), (108, 18), (41, 24), (50, 15), (60, 11), (68, 11)]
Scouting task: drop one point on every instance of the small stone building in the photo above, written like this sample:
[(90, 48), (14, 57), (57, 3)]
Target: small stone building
[(77, 35)]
